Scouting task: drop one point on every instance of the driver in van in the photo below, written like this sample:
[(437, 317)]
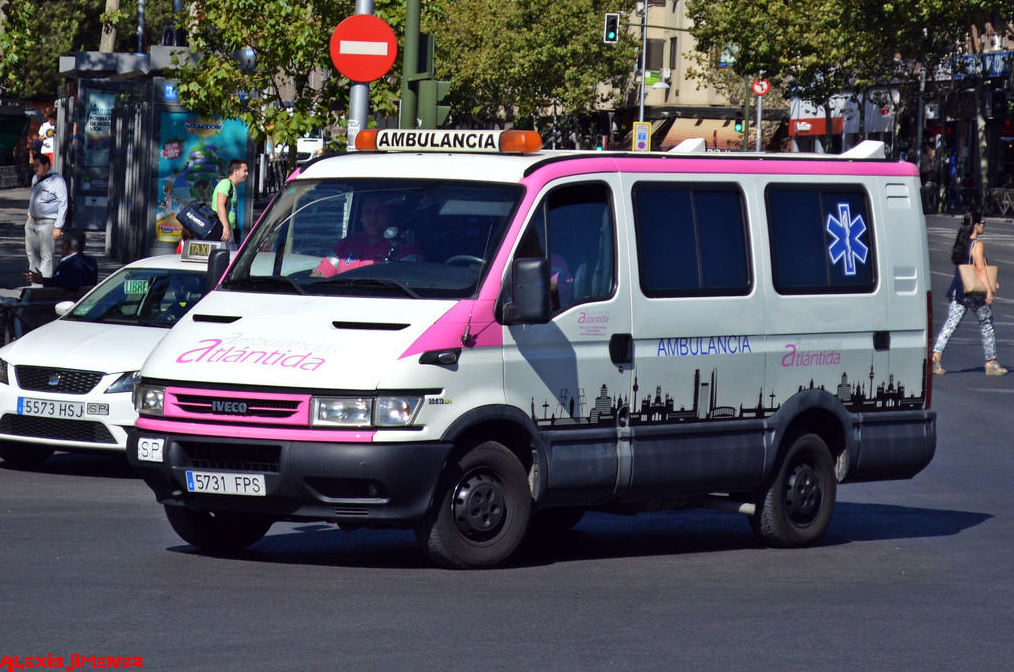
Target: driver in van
[(378, 241)]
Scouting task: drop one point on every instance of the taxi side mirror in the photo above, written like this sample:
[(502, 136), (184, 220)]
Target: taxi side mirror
[(218, 261)]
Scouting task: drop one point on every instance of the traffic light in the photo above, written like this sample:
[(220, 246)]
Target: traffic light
[(738, 124), (611, 33), (431, 92)]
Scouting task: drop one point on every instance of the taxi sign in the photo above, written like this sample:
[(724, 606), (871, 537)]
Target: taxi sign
[(200, 250)]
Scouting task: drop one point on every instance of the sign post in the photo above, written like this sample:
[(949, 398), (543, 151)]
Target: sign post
[(363, 48), (760, 87)]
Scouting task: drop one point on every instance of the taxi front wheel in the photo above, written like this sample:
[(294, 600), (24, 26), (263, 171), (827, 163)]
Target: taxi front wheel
[(217, 532), (23, 455), (481, 512)]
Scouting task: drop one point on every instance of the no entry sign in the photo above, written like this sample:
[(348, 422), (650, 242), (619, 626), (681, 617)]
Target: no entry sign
[(363, 47)]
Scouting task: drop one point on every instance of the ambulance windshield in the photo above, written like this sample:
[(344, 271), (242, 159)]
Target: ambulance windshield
[(402, 238)]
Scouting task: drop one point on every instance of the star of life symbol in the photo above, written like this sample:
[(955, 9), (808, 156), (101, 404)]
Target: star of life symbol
[(847, 232)]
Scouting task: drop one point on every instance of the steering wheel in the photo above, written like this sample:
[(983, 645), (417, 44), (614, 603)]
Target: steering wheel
[(466, 258)]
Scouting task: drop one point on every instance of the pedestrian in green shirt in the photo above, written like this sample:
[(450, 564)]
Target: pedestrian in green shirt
[(225, 200)]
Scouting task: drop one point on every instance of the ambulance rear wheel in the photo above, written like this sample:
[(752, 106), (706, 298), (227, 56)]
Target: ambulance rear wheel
[(481, 512), (23, 454), (217, 532), (795, 508)]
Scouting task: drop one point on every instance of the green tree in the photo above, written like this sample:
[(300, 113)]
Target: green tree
[(294, 87), (37, 32), (510, 61)]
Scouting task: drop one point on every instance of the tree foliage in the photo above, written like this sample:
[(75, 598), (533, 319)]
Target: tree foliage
[(511, 60), (37, 32), (819, 48)]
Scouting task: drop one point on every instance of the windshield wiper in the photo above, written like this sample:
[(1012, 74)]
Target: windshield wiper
[(261, 281), (369, 282)]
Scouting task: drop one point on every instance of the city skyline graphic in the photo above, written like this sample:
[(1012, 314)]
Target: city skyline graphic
[(572, 409)]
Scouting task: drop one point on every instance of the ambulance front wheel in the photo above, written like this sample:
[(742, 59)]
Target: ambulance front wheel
[(795, 508), (481, 510), (217, 532)]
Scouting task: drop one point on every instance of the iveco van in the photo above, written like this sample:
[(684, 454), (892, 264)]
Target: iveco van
[(461, 333)]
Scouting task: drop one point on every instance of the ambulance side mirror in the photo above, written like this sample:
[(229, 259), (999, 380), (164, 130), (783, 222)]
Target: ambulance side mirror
[(218, 261), (528, 302)]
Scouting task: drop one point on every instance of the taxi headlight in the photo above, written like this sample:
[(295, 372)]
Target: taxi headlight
[(396, 411), (342, 411), (125, 383), (3, 373), (149, 399)]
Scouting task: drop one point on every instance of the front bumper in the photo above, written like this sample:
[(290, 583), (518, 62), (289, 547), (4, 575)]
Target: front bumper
[(362, 483), (102, 426)]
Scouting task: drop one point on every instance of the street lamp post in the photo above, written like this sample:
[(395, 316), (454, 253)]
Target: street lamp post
[(644, 50)]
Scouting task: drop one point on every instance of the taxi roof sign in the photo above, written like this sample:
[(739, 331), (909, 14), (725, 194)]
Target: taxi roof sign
[(200, 250), (428, 140)]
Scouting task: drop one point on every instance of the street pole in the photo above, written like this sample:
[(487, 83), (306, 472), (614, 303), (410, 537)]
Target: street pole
[(410, 65), (359, 93), (140, 26), (760, 106), (644, 50)]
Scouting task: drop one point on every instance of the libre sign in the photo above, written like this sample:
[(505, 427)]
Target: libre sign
[(363, 47)]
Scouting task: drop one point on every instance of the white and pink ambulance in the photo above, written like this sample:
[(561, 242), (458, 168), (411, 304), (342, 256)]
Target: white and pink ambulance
[(462, 333)]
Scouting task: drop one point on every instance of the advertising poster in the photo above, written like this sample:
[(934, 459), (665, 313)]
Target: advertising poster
[(194, 154), (98, 127)]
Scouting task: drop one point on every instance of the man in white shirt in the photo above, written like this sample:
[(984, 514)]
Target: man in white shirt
[(47, 212)]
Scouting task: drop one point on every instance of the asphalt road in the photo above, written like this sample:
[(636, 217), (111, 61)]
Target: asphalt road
[(913, 575)]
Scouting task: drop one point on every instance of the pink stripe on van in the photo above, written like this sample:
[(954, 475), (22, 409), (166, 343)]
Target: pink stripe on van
[(266, 433)]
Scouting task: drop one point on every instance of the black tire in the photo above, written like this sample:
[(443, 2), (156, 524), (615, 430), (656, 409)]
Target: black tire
[(795, 508), (217, 532), (23, 454), (481, 510)]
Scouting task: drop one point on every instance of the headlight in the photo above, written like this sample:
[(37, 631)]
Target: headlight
[(342, 411), (365, 411), (149, 399), (396, 411), (125, 383), (3, 373)]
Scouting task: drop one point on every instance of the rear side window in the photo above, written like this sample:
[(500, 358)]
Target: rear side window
[(691, 240), (821, 239)]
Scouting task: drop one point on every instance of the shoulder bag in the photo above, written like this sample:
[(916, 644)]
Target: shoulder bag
[(970, 280)]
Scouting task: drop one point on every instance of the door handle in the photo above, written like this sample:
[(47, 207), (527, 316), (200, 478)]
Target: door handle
[(621, 349), (881, 340)]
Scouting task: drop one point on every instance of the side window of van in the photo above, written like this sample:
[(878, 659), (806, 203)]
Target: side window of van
[(821, 239), (691, 239), (574, 226)]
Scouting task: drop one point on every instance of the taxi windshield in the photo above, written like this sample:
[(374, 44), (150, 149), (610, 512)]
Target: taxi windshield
[(388, 238), (148, 297)]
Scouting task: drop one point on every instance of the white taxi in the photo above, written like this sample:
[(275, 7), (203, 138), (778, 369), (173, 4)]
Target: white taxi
[(67, 385)]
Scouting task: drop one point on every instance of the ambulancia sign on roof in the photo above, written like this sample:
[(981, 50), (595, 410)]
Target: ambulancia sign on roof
[(447, 141)]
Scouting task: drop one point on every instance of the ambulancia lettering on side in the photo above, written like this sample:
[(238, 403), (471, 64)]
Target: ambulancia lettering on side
[(464, 334)]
